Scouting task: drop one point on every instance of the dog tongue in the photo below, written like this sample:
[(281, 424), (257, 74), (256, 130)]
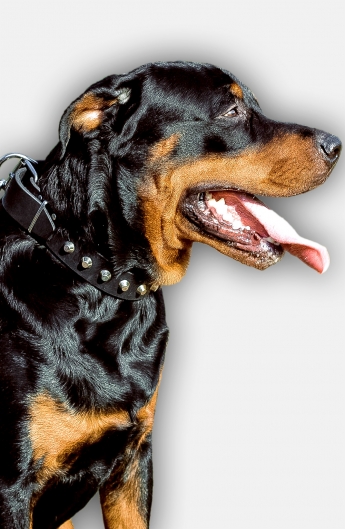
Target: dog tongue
[(311, 253)]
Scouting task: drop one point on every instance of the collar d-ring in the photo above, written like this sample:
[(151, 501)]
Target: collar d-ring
[(24, 161)]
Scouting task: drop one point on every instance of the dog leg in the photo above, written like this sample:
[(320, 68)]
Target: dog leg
[(126, 496)]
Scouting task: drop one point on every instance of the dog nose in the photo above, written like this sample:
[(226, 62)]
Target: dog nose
[(330, 146)]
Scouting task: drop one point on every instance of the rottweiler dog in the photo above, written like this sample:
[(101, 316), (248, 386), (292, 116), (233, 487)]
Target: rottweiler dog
[(147, 163)]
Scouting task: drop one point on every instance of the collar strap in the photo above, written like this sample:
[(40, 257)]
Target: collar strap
[(25, 204)]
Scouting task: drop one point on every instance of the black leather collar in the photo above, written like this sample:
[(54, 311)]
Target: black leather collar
[(25, 204)]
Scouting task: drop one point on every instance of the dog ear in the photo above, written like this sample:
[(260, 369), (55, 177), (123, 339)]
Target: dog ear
[(87, 112)]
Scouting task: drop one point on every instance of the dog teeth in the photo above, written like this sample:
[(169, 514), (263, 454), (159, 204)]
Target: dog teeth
[(222, 208), (212, 203), (228, 217), (218, 205), (227, 213), (236, 225)]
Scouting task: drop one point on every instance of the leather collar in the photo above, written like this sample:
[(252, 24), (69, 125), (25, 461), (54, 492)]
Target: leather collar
[(25, 204)]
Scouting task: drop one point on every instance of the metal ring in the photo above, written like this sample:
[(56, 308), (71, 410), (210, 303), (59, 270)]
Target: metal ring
[(25, 159)]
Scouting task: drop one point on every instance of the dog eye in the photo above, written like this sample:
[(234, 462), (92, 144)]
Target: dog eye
[(231, 113)]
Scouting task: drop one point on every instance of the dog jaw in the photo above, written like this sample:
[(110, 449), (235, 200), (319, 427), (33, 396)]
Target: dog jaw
[(287, 165)]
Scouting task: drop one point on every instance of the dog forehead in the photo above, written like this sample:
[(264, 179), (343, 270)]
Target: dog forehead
[(196, 86), (186, 79), (185, 92)]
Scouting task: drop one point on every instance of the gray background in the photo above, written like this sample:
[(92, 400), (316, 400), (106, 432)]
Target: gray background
[(249, 428)]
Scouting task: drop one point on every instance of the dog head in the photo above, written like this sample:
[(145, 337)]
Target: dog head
[(173, 153)]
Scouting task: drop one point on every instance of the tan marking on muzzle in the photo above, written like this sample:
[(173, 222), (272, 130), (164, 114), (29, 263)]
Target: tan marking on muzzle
[(286, 166)]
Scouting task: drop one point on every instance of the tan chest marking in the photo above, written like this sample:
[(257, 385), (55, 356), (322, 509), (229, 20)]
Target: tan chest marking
[(56, 431)]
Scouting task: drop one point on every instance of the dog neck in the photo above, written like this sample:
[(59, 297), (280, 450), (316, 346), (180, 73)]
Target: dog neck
[(24, 202)]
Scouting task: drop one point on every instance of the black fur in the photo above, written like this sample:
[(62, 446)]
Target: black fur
[(61, 336)]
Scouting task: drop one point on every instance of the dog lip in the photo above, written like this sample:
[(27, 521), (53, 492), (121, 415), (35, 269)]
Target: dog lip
[(203, 188)]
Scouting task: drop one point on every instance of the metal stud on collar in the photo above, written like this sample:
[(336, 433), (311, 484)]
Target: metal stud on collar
[(68, 247), (105, 275), (86, 262), (142, 289), (124, 285)]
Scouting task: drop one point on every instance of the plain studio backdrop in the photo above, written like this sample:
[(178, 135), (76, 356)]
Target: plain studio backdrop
[(249, 429)]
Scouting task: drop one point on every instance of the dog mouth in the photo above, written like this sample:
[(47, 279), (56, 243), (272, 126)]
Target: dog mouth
[(245, 223)]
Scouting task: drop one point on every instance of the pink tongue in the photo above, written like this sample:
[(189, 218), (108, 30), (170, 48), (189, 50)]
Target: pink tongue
[(311, 253)]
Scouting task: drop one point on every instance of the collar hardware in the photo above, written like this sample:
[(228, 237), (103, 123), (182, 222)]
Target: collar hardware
[(25, 204)]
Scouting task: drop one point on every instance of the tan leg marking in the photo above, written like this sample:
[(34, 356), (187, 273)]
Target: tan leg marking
[(120, 502), (57, 431), (67, 525), (146, 415), (120, 506)]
